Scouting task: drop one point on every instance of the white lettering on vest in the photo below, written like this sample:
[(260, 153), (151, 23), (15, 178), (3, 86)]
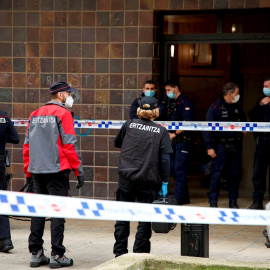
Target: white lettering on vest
[(43, 120), (144, 127), (3, 120)]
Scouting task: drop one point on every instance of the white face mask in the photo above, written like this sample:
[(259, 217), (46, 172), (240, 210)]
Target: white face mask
[(69, 101), (236, 99)]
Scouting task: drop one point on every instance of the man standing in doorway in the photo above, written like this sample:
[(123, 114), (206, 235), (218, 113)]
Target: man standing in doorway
[(149, 90), (180, 108), (225, 148), (50, 152), (261, 113)]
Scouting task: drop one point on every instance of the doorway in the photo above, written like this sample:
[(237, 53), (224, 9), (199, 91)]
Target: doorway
[(203, 52)]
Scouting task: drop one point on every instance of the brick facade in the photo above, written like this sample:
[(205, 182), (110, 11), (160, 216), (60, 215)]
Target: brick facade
[(102, 47)]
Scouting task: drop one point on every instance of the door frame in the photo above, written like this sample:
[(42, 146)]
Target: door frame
[(215, 38)]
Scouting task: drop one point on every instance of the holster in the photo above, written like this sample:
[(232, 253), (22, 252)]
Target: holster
[(5, 181), (4, 157)]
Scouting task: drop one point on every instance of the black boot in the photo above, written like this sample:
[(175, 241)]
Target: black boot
[(256, 205), (233, 204), (6, 245), (215, 205)]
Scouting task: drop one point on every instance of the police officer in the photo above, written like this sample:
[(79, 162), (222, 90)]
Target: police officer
[(180, 108), (8, 134), (225, 148), (261, 113), (50, 152), (143, 165), (149, 90)]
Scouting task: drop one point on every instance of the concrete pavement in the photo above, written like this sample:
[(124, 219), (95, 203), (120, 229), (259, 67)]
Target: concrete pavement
[(90, 243)]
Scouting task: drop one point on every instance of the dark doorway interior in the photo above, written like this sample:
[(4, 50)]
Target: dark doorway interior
[(228, 47)]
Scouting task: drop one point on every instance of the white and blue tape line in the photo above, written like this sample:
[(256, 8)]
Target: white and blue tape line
[(35, 205), (174, 125)]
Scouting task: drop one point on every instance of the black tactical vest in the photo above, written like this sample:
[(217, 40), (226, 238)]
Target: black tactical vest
[(139, 158)]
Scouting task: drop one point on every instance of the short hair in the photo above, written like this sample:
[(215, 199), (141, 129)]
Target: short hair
[(149, 82), (54, 96), (266, 79), (172, 83), (146, 113), (229, 88)]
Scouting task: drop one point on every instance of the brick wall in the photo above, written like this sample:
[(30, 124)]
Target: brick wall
[(102, 47)]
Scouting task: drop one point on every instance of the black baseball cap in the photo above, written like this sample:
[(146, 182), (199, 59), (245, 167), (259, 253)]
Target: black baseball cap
[(61, 86), (153, 102)]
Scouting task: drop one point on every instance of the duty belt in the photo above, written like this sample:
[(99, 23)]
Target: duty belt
[(229, 140), (265, 139), (2, 158)]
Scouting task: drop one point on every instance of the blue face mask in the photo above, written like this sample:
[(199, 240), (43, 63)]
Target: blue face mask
[(171, 95), (266, 91), (149, 93)]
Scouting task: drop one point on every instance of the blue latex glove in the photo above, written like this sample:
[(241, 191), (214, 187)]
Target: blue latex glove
[(164, 189)]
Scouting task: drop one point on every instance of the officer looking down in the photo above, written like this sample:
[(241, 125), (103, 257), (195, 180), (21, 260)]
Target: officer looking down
[(8, 134), (225, 148), (261, 113), (144, 166), (50, 152), (149, 90), (180, 108)]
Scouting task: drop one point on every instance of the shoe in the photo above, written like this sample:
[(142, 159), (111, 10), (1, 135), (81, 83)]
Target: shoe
[(233, 204), (184, 200), (6, 245), (38, 258), (56, 261), (214, 205), (256, 205)]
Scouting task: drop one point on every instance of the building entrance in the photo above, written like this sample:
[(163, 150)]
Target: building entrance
[(204, 51)]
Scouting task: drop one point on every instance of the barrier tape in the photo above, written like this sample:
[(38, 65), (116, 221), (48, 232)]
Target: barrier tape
[(35, 205), (176, 125)]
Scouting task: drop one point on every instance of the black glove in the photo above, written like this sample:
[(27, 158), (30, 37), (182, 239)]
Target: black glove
[(80, 182)]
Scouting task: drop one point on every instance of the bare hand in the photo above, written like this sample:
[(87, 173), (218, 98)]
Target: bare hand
[(265, 101), (179, 131), (211, 153), (172, 136)]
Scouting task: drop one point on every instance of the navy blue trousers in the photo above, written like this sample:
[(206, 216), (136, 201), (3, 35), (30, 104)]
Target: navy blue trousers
[(231, 159), (179, 160), (4, 227), (260, 166), (4, 221)]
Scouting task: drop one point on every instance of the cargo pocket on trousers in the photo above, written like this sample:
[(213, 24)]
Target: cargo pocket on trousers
[(184, 156)]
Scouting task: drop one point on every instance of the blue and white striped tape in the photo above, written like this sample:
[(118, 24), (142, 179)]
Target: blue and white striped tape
[(35, 205), (176, 125)]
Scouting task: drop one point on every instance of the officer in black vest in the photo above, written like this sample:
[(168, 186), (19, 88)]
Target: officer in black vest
[(143, 165), (225, 148), (180, 108), (261, 113), (8, 134)]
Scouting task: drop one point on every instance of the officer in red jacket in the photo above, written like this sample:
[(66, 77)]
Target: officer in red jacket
[(50, 152)]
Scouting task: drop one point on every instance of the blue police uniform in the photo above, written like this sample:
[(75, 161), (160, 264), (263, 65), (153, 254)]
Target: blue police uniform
[(135, 104), (8, 134), (180, 109), (228, 148), (260, 113)]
